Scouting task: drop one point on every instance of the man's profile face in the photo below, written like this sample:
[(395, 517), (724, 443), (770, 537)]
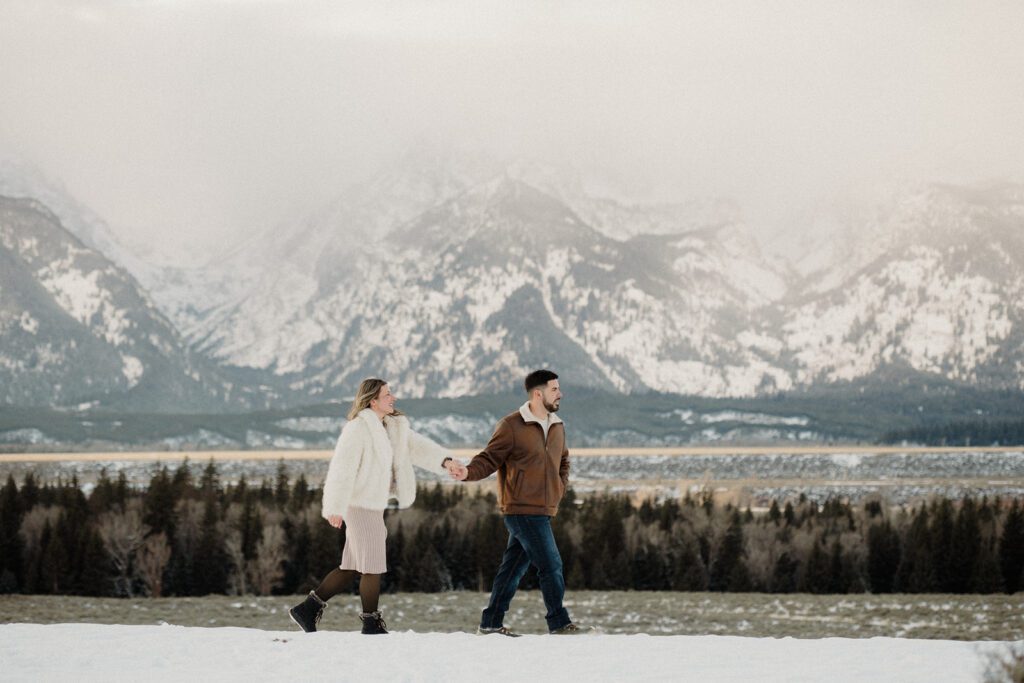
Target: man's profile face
[(551, 395)]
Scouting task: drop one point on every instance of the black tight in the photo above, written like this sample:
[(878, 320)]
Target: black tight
[(369, 591), (338, 580)]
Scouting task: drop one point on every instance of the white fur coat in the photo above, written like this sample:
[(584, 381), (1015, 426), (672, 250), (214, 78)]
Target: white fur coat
[(360, 472)]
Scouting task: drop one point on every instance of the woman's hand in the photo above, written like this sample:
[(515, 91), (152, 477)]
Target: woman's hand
[(335, 520), (456, 470)]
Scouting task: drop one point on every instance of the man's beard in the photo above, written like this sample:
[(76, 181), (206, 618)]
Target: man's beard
[(551, 407)]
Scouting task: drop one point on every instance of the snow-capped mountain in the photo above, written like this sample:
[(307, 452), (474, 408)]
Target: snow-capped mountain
[(453, 276), (76, 328), (944, 298), (503, 277), (180, 292), (20, 179)]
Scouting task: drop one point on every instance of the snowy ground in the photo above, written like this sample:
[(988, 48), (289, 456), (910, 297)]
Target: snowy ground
[(89, 652)]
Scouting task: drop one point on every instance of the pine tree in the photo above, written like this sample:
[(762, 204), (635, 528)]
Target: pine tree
[(29, 492), (817, 571), (649, 569), (395, 549), (789, 514), (95, 573), (462, 562), (84, 556), (103, 495), (209, 482), (492, 537), (240, 492), (301, 495), (784, 574), (883, 557), (986, 576), (687, 571), (668, 514), (281, 492), (966, 545), (942, 544), (325, 548), (837, 569), (181, 483), (159, 502), (53, 561), (725, 570), (266, 495), (574, 579), (423, 571), (916, 573), (250, 526), (646, 512), (120, 498), (210, 560), (1011, 549), (618, 569), (11, 544)]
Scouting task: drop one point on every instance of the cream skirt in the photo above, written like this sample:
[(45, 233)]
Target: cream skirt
[(365, 534)]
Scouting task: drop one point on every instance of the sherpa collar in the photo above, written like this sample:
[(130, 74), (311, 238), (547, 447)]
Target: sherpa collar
[(528, 415), (381, 442)]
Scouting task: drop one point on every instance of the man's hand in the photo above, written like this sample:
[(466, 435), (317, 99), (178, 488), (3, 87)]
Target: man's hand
[(456, 470), (335, 520)]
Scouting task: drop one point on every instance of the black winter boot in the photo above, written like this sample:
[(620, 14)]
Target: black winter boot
[(307, 614), (373, 623)]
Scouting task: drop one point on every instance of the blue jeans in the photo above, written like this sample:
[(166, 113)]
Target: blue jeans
[(530, 541)]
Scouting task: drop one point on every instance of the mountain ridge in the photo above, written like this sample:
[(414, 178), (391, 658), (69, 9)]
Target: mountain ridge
[(469, 282)]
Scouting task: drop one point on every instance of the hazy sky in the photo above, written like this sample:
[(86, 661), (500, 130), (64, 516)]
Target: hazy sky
[(181, 119)]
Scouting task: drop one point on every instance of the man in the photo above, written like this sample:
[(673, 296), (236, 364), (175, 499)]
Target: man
[(529, 454)]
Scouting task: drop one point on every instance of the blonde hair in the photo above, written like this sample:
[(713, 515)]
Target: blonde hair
[(369, 389)]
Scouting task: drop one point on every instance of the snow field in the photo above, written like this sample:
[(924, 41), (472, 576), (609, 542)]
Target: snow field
[(89, 652)]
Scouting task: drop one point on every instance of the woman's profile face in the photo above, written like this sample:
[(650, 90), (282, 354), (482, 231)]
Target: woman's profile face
[(385, 401)]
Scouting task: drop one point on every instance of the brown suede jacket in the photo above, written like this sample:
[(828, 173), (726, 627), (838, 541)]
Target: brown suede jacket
[(532, 475)]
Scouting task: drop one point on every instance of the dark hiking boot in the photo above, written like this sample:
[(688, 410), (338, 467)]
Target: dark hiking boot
[(373, 623), (501, 630), (306, 614), (572, 629)]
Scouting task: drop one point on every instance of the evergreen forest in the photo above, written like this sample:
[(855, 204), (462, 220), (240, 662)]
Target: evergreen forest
[(194, 535)]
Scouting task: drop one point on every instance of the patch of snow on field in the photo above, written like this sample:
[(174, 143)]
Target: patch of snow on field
[(847, 459), (201, 438), (255, 439), (329, 425), (25, 436), (156, 653), (753, 418), (456, 429)]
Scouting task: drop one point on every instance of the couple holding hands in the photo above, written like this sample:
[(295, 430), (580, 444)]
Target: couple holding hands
[(373, 463)]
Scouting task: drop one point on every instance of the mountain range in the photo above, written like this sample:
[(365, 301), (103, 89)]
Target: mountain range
[(454, 279)]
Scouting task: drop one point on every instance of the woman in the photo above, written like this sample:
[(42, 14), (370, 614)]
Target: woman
[(372, 463)]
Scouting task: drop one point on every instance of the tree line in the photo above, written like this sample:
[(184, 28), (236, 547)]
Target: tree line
[(969, 433), (186, 535)]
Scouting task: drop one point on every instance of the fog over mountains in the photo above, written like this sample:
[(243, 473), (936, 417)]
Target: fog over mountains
[(455, 279)]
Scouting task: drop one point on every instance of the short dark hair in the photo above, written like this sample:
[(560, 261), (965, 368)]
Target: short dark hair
[(538, 378)]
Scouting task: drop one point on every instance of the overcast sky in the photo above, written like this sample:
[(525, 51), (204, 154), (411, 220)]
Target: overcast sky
[(198, 119)]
